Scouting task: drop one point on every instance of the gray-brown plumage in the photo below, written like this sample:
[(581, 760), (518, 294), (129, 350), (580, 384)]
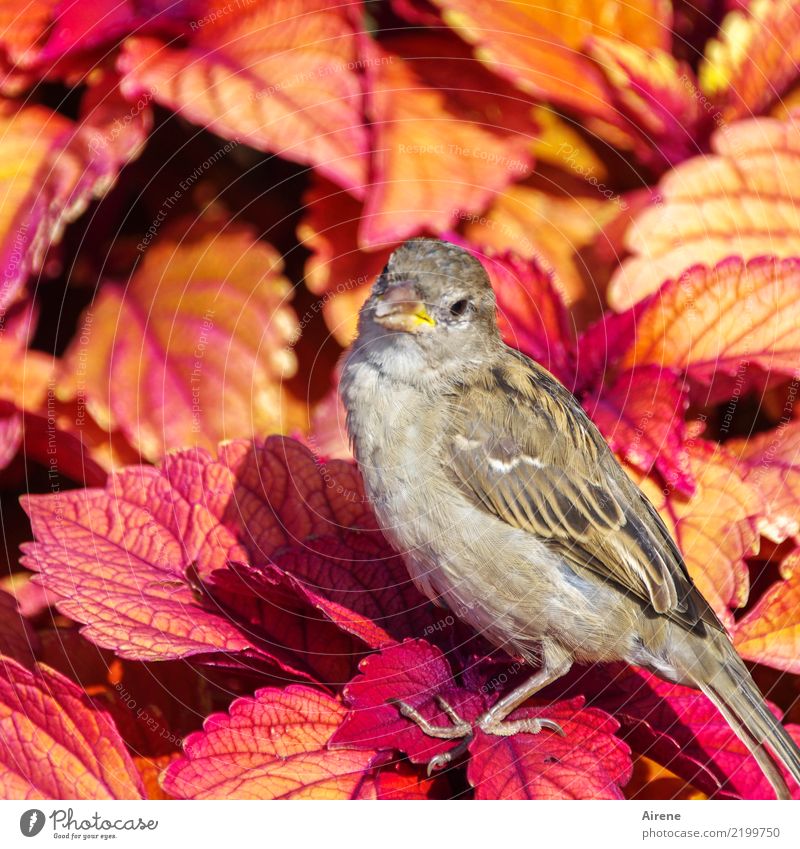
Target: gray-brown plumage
[(508, 506)]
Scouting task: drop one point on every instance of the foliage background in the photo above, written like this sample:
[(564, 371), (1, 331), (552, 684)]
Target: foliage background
[(196, 197)]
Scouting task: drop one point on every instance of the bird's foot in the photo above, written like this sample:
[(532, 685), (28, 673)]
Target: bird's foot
[(460, 730), (464, 732)]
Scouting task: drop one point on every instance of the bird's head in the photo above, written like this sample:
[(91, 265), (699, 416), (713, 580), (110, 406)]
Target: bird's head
[(431, 308)]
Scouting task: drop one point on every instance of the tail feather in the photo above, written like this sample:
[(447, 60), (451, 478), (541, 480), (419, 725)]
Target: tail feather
[(736, 696)]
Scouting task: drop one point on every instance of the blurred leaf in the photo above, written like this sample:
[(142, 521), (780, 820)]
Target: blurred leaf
[(338, 270), (18, 640), (770, 632), (771, 461), (553, 229), (52, 167), (279, 75), (447, 137), (537, 47), (713, 527), (193, 350), (657, 95), (754, 58)]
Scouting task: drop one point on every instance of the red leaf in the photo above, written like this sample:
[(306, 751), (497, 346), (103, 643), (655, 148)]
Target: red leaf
[(589, 762), (602, 345), (54, 744), (18, 640), (679, 728), (530, 310), (396, 781), (117, 557), (270, 746), (416, 672), (641, 417), (360, 584), (283, 625)]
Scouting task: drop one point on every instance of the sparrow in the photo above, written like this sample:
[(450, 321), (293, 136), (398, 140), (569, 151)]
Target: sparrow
[(508, 507)]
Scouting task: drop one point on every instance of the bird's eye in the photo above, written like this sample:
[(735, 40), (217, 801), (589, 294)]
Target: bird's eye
[(458, 308)]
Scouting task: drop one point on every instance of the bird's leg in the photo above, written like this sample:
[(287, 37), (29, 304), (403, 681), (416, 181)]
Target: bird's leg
[(458, 729), (492, 721)]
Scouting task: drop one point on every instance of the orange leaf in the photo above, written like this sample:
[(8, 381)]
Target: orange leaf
[(743, 200), (50, 168), (754, 59), (447, 138), (772, 463), (193, 350), (21, 30), (280, 75), (729, 327), (270, 746), (56, 743), (537, 45), (651, 780), (770, 632), (550, 228), (712, 527), (337, 270)]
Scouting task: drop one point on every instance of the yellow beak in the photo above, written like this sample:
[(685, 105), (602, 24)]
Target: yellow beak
[(399, 308)]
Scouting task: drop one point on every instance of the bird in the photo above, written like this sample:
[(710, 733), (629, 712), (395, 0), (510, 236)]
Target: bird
[(509, 508)]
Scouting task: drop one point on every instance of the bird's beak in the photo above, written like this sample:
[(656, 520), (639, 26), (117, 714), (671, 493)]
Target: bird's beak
[(399, 308)]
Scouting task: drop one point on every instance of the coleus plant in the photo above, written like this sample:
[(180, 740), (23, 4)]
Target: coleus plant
[(214, 611)]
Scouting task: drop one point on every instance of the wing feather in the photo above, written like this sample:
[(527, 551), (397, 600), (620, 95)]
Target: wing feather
[(540, 464)]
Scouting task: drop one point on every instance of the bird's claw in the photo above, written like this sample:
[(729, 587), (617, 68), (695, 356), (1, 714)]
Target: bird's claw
[(464, 732)]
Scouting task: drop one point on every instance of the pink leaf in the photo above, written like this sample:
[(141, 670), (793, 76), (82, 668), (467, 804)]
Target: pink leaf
[(270, 746)]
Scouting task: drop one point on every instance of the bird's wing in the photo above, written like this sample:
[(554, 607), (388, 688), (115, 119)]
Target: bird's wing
[(537, 462)]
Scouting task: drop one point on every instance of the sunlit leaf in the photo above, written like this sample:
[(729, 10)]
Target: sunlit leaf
[(770, 632), (270, 746), (446, 137), (741, 200), (730, 328), (55, 744)]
